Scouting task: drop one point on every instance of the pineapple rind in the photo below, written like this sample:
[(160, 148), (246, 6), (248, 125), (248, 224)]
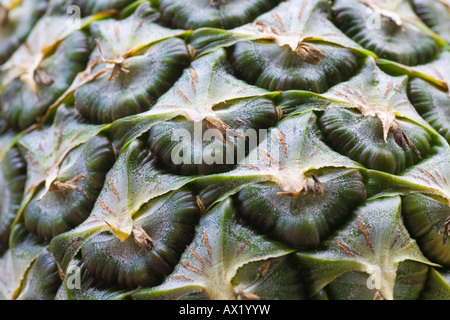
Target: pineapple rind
[(376, 249)]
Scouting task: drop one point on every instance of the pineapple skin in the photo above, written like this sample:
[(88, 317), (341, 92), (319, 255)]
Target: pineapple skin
[(224, 150)]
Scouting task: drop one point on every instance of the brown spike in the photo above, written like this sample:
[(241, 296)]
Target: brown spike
[(142, 238), (196, 255), (247, 295), (265, 269), (60, 134), (389, 88), (445, 230), (200, 204), (117, 63), (430, 176), (217, 3), (283, 142), (70, 184), (300, 14), (377, 296), (113, 188), (243, 245), (365, 232), (181, 277), (117, 31), (104, 206), (192, 268), (184, 96), (192, 51), (214, 123), (194, 77), (280, 22), (313, 186), (402, 140), (309, 53), (42, 78), (3, 15), (279, 113), (206, 241), (347, 249)]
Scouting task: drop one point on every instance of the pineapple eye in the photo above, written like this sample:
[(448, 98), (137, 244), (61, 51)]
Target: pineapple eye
[(272, 67), (237, 117), (147, 76), (12, 185), (436, 15), (354, 284), (361, 139), (185, 155), (42, 280), (224, 149), (72, 196), (431, 103), (251, 280), (425, 216), (212, 13), (304, 220), (390, 37), (25, 16), (169, 221), (55, 74)]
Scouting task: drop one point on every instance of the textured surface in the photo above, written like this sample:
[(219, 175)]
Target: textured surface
[(339, 191)]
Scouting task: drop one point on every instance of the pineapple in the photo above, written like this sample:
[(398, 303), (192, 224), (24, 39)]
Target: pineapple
[(224, 149)]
